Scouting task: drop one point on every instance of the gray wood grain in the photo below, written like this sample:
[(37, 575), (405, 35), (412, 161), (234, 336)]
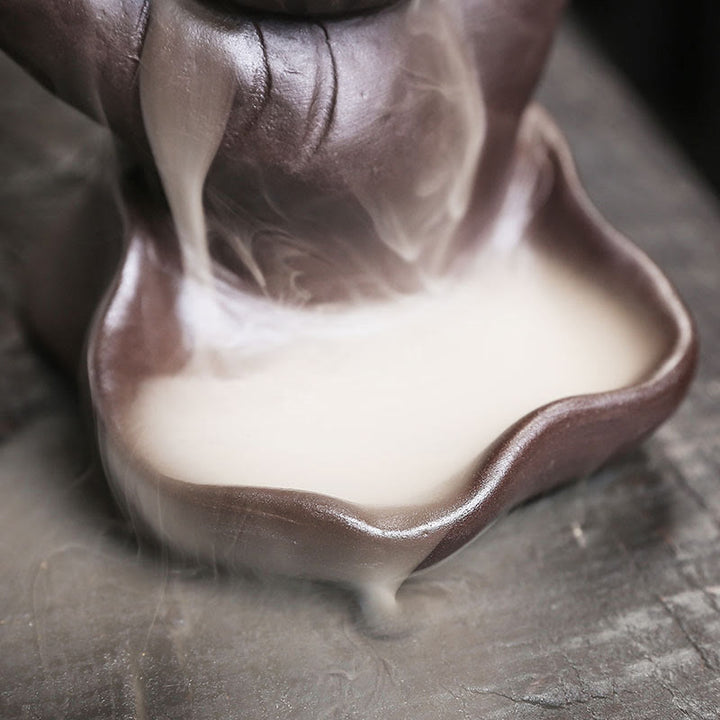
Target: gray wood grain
[(601, 600)]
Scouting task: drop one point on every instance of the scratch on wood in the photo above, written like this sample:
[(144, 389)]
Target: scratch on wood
[(702, 653)]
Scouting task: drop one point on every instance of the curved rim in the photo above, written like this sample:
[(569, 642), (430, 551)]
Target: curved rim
[(504, 474)]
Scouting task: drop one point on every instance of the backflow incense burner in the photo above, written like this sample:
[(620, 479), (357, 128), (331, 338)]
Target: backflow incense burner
[(362, 305)]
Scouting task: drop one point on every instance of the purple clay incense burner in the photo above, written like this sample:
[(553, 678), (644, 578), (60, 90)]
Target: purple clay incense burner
[(291, 164)]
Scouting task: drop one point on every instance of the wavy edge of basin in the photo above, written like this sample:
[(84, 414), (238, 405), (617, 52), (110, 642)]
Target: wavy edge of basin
[(310, 535)]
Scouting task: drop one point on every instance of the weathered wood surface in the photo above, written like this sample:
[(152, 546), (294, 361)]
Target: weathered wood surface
[(601, 600)]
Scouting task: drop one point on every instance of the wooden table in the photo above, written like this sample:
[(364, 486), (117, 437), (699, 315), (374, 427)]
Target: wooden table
[(601, 600)]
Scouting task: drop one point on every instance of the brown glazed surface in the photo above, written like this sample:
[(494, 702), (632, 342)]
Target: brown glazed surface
[(292, 142)]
